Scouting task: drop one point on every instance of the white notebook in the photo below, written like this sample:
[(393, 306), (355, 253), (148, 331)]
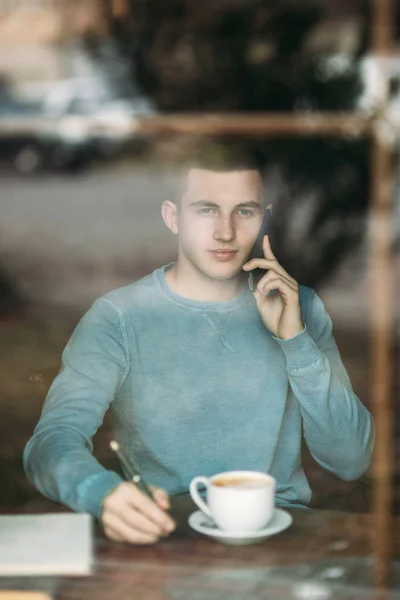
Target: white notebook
[(50, 544)]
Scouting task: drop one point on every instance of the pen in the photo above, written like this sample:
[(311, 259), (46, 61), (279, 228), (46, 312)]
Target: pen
[(131, 468)]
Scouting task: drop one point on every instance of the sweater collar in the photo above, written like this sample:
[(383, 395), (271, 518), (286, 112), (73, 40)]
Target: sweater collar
[(228, 305)]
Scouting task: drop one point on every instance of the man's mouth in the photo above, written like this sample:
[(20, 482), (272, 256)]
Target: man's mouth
[(223, 255)]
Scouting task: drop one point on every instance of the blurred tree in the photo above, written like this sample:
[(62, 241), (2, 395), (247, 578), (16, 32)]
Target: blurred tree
[(241, 55)]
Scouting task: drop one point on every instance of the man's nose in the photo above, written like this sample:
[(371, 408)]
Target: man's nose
[(224, 230)]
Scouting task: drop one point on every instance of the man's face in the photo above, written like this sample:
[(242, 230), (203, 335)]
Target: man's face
[(219, 218)]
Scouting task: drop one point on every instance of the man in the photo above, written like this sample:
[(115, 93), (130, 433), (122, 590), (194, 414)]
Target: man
[(201, 374)]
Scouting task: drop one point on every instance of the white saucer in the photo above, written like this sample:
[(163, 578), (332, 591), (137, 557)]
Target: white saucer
[(280, 521)]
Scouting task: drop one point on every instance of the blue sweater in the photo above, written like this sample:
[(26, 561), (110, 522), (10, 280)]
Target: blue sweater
[(196, 388)]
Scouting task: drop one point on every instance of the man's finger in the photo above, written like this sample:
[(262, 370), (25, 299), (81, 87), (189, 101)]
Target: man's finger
[(287, 291), (267, 264), (118, 530), (267, 248), (272, 274), (150, 509), (161, 497), (136, 520)]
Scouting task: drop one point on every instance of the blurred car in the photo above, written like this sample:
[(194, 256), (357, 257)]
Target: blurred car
[(31, 141), (103, 111), (74, 123)]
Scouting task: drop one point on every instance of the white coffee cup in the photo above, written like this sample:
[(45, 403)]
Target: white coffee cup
[(241, 501)]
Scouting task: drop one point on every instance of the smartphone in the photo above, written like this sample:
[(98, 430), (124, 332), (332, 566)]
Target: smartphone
[(257, 251)]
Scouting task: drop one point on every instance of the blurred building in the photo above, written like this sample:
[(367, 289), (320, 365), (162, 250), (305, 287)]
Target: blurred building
[(38, 38), (35, 35)]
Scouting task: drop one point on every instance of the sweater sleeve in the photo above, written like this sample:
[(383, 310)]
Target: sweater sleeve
[(58, 458), (338, 428)]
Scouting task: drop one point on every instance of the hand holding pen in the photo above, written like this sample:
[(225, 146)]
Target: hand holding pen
[(135, 513), (131, 468)]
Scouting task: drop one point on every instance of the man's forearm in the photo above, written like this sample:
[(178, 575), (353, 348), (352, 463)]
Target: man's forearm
[(60, 464), (338, 428), (58, 458)]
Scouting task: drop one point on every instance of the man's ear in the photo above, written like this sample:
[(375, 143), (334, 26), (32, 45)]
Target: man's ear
[(169, 211)]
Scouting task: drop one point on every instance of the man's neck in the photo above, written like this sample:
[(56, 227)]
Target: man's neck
[(193, 285)]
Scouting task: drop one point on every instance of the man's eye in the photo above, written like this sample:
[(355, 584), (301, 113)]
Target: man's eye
[(245, 212), (206, 210)]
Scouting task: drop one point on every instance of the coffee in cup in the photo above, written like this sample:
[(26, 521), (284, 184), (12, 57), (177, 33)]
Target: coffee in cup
[(246, 483), (240, 501)]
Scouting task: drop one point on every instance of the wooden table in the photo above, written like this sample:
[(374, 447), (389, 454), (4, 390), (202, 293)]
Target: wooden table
[(323, 555)]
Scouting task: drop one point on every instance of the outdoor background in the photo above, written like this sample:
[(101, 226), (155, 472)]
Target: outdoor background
[(82, 180)]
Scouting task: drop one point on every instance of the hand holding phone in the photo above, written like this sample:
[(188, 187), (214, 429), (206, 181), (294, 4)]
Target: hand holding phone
[(257, 251), (276, 295)]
